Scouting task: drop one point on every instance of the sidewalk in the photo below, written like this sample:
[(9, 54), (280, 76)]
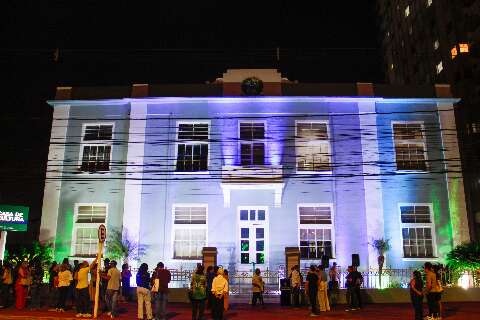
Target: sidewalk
[(453, 311)]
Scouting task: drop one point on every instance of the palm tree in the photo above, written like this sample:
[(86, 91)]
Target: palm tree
[(382, 246), (122, 247)]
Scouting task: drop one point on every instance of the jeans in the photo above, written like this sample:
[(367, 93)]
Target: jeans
[(198, 309), (433, 299), (35, 292), (62, 297), (353, 296), (417, 302), (143, 296), (296, 296), (217, 308), (83, 301), (312, 296), (160, 305), (257, 296), (111, 298)]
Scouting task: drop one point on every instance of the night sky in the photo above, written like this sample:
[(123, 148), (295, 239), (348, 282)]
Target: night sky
[(174, 42)]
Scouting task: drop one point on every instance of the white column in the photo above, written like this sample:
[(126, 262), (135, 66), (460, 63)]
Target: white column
[(453, 167), (134, 171), (371, 183), (53, 181)]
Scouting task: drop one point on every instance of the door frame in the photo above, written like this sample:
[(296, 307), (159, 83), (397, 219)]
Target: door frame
[(266, 225)]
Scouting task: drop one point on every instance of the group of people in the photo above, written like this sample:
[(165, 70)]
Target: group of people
[(432, 289)]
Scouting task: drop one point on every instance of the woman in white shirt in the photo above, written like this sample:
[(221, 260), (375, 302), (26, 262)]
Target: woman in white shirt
[(64, 280)]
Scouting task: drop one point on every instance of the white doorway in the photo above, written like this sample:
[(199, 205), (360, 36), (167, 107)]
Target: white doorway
[(252, 236)]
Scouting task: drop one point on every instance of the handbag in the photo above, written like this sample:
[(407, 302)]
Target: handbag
[(156, 284)]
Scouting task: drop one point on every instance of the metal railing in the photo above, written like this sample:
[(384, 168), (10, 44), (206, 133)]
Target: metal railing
[(241, 281)]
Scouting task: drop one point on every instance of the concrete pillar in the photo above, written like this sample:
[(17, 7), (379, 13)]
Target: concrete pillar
[(292, 258), (209, 257)]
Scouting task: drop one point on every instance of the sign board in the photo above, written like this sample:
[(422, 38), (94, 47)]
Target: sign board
[(13, 218), (102, 233)]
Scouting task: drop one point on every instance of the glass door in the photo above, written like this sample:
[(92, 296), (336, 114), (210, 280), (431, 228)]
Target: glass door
[(253, 235)]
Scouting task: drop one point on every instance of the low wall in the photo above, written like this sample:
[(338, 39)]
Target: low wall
[(393, 295)]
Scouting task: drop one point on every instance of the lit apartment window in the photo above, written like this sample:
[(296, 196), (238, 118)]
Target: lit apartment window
[(417, 231), (410, 149), (312, 147), (454, 52), (407, 11), (463, 47), (436, 44), (87, 219), (189, 231), (429, 3), (192, 147), (252, 143), (316, 231), (96, 147)]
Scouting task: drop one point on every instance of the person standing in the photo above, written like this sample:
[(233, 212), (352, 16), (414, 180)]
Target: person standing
[(82, 295), (104, 284), (257, 288), (126, 289), (433, 291), (296, 282), (225, 299), (36, 273), (113, 289), (143, 292), (322, 289), (416, 294), (64, 280), (163, 277), (353, 281), (21, 286), (198, 288), (219, 290), (210, 276), (53, 284), (333, 284), (311, 288), (7, 282)]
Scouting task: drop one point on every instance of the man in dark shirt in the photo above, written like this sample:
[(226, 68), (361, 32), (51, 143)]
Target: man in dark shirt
[(210, 276), (353, 281), (164, 277), (311, 287)]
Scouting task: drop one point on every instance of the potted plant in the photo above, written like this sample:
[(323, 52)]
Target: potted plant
[(381, 246)]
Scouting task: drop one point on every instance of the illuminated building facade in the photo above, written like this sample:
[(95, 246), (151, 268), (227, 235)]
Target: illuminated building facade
[(326, 168)]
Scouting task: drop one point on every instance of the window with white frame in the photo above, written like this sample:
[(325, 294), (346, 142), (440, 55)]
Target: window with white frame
[(312, 147), (417, 231), (88, 217), (316, 231), (96, 147), (252, 143), (192, 147), (410, 148), (189, 231)]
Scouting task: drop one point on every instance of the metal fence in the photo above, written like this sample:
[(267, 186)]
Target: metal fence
[(241, 281)]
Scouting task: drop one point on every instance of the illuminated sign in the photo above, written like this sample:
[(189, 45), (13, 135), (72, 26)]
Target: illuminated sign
[(13, 218)]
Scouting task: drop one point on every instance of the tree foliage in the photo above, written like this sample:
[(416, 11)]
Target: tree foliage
[(381, 245), (465, 257), (120, 246), (41, 251)]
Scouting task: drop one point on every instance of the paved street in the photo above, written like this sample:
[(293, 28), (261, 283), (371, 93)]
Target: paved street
[(453, 311)]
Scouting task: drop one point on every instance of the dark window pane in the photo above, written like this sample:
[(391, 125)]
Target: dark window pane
[(259, 232), (260, 258), (260, 245), (261, 215), (245, 245), (252, 214), (258, 153), (245, 258), (245, 154), (243, 214), (245, 233)]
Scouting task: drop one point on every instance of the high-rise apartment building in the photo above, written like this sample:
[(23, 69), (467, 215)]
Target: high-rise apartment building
[(438, 41)]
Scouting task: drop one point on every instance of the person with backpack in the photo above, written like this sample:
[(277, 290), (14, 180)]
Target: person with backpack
[(143, 291), (311, 289), (354, 281), (198, 293), (257, 288), (162, 278)]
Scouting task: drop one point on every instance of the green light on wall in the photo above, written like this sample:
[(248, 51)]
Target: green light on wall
[(64, 237)]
